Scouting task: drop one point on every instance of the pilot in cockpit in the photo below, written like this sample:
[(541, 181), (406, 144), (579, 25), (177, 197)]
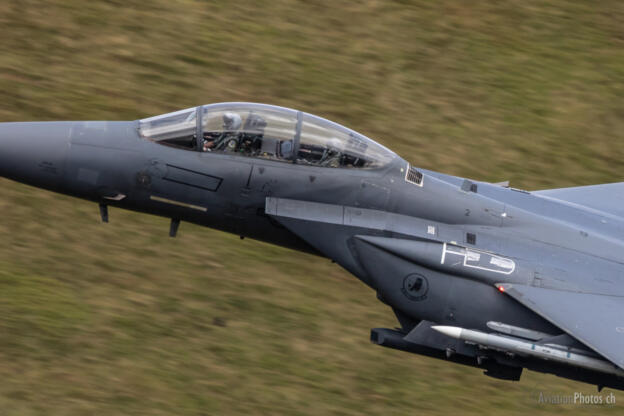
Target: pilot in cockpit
[(253, 132), (227, 138), (231, 122), (332, 155)]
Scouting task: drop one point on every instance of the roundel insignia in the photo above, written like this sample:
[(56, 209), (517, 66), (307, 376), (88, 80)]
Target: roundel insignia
[(415, 286)]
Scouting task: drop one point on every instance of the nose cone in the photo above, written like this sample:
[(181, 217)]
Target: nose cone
[(34, 153)]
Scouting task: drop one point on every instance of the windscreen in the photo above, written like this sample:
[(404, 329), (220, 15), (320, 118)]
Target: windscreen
[(175, 129)]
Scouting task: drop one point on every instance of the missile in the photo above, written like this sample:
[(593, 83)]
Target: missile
[(523, 347)]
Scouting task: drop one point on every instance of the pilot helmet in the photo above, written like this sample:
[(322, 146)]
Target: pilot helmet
[(231, 121), (255, 124)]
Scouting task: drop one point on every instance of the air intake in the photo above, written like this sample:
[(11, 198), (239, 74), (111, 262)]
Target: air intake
[(414, 176)]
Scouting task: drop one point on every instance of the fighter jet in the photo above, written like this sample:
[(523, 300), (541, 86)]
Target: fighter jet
[(476, 273)]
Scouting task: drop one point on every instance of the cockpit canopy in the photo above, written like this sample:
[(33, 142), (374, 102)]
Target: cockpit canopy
[(268, 132)]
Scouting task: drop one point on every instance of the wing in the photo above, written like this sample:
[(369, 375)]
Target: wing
[(608, 198), (595, 320)]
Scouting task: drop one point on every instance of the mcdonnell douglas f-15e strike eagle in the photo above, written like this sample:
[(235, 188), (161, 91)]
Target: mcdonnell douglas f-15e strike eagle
[(476, 273)]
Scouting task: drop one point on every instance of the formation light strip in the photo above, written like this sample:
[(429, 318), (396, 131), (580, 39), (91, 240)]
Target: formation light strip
[(177, 203)]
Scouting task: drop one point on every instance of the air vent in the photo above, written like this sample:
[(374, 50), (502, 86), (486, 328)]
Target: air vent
[(471, 238), (469, 186), (414, 176)]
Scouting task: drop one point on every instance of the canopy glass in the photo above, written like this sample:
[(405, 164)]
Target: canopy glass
[(268, 132)]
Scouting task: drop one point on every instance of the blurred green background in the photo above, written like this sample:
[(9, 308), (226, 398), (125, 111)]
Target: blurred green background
[(120, 319)]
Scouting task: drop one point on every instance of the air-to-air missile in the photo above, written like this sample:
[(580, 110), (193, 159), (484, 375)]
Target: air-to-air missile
[(522, 347)]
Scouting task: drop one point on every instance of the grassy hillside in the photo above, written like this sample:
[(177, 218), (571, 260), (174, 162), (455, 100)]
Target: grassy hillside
[(120, 319)]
